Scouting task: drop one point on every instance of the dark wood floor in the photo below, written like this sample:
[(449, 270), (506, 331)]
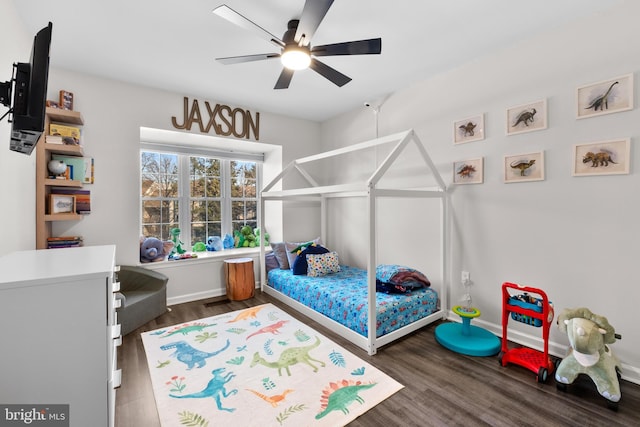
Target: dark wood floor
[(442, 388)]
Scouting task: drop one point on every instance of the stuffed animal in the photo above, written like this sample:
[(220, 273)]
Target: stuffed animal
[(244, 238), (265, 239), (589, 354), (214, 243), (199, 247), (175, 238), (153, 249), (227, 242)]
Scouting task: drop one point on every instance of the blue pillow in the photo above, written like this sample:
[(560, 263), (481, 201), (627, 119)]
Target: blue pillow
[(300, 265)]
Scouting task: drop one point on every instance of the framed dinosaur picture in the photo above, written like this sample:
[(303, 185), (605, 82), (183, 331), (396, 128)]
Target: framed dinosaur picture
[(605, 97), (468, 171), (527, 117), (524, 167), (602, 158), (469, 129)]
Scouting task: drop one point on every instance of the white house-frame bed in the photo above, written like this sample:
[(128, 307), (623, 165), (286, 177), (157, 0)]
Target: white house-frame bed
[(370, 190)]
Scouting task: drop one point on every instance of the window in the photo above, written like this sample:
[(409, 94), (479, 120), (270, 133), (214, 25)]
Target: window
[(202, 195)]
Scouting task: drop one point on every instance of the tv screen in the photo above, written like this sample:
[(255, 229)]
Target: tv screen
[(30, 95)]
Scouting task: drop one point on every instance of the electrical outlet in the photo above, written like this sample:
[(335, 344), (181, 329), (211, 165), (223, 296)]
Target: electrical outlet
[(466, 277)]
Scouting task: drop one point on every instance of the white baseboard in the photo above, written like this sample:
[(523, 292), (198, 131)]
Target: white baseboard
[(211, 293), (629, 373), (196, 296)]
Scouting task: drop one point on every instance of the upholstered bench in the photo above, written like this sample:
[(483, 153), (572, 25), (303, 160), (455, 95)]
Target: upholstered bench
[(142, 295)]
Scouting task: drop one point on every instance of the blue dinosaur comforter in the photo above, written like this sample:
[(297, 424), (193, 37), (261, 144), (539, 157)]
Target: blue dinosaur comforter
[(342, 297)]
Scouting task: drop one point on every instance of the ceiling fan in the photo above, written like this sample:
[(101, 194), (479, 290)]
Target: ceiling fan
[(296, 52)]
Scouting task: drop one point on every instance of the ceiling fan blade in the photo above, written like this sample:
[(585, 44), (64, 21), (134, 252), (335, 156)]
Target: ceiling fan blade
[(329, 73), (313, 13), (284, 79), (358, 47), (247, 58), (234, 17)]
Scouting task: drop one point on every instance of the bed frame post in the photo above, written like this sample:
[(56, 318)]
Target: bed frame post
[(371, 272)]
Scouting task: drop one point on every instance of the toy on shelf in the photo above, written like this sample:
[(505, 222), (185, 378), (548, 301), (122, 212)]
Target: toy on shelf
[(175, 238), (214, 243), (463, 337), (532, 311), (589, 354), (153, 249)]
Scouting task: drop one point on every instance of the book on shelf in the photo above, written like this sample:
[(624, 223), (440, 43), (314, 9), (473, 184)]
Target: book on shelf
[(66, 131), (64, 242), (78, 163), (53, 139)]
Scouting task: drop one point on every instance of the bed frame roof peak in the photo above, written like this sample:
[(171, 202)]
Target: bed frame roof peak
[(399, 140)]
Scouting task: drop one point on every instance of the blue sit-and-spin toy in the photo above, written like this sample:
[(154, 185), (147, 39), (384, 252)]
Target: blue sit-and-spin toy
[(464, 337)]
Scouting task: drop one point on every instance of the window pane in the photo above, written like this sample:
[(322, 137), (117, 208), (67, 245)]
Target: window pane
[(214, 211), (151, 211), (198, 186), (250, 188), (151, 230), (251, 210), (198, 233), (198, 211), (237, 211), (213, 187), (205, 177)]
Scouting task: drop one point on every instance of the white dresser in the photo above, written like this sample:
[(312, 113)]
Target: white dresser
[(59, 332)]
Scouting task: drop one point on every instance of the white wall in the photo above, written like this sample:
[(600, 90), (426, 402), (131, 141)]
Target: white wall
[(113, 113), (573, 237), (18, 191)]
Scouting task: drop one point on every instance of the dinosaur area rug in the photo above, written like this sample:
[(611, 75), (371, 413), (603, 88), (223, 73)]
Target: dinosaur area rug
[(258, 367)]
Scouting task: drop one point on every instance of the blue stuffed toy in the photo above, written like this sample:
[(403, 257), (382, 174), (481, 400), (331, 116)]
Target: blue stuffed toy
[(214, 243)]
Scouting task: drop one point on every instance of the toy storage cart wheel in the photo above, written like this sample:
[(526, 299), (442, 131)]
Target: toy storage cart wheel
[(543, 373)]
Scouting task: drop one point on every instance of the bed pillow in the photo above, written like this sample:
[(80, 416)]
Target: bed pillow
[(271, 262), (300, 265), (322, 264), (280, 253), (291, 250)]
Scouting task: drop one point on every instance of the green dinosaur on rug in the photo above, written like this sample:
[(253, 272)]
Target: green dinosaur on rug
[(337, 396), (289, 357), (188, 327)]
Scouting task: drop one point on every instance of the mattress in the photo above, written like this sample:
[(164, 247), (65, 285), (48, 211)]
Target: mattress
[(342, 297)]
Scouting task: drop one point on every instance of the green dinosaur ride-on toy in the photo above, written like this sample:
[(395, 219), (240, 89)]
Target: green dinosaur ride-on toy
[(589, 354)]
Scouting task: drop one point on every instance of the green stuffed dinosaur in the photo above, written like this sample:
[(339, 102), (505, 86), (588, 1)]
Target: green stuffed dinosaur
[(177, 243), (588, 335)]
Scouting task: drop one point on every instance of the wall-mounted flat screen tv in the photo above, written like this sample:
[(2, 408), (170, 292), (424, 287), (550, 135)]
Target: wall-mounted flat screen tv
[(26, 95)]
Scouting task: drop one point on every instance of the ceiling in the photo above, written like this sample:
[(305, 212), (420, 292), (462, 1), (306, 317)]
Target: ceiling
[(172, 44)]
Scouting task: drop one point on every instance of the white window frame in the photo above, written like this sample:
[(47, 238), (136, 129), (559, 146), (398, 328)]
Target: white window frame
[(184, 196)]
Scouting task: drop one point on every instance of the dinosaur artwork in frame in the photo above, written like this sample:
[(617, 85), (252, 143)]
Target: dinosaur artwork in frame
[(601, 158), (524, 167), (468, 171), (605, 97), (527, 117), (469, 129)]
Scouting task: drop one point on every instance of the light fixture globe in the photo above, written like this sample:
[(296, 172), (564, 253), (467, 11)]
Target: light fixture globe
[(295, 57)]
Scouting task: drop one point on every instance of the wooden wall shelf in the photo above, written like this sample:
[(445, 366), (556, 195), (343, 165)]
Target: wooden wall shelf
[(63, 217), (63, 182), (44, 184)]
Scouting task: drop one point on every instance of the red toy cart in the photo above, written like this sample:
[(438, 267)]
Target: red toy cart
[(524, 307)]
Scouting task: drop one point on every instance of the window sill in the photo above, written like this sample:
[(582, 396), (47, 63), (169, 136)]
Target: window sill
[(204, 257)]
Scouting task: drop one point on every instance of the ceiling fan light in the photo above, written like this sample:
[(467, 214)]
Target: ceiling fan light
[(295, 58)]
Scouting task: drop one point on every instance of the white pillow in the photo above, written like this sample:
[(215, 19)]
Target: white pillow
[(322, 264)]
